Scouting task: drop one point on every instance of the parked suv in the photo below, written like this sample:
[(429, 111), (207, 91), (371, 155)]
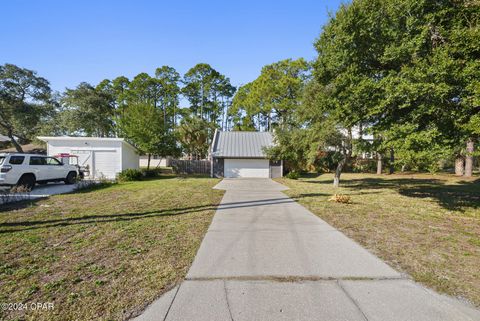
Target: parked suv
[(27, 169)]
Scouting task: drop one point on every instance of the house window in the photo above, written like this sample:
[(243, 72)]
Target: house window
[(275, 163)]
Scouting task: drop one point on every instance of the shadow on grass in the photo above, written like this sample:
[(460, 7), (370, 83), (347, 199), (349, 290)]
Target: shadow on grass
[(25, 203), (20, 226), (458, 196)]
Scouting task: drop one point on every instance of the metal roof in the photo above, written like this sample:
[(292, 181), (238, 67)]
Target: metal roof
[(241, 144)]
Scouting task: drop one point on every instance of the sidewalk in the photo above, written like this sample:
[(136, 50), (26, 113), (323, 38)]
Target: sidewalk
[(265, 257)]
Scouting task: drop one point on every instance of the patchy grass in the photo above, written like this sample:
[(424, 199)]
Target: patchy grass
[(425, 225), (102, 253)]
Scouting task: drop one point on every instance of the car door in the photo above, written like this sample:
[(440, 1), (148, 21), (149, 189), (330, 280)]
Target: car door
[(37, 165), (54, 168)]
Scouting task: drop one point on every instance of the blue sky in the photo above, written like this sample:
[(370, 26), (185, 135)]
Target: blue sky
[(72, 41)]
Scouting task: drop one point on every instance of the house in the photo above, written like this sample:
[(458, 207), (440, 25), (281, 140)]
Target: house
[(155, 161), (241, 154), (104, 157)]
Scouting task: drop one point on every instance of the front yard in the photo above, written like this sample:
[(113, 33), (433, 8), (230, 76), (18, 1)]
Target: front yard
[(104, 253), (425, 225)]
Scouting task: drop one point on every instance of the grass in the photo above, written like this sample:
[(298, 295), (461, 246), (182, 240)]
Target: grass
[(425, 225), (102, 253)]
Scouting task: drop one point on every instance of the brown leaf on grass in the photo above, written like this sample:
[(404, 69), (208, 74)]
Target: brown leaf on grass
[(340, 198)]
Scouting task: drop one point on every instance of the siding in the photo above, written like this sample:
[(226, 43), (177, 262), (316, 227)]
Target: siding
[(112, 155)]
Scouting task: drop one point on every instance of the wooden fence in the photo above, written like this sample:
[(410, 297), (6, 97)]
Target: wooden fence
[(182, 166)]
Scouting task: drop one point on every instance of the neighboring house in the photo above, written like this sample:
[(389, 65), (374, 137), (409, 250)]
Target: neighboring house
[(241, 154), (104, 157), (155, 161)]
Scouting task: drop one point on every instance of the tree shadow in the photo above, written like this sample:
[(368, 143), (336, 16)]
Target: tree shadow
[(460, 196), (19, 226)]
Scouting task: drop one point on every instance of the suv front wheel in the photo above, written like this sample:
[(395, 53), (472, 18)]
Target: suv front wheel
[(26, 181), (71, 178)]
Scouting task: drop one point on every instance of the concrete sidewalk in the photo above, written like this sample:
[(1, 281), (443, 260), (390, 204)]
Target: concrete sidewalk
[(265, 257)]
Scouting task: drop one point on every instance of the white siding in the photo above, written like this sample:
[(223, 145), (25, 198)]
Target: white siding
[(247, 168), (153, 162), (106, 158), (130, 157)]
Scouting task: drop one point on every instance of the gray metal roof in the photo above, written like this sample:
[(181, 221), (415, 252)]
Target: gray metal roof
[(241, 144)]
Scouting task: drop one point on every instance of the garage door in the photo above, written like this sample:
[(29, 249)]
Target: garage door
[(247, 168), (106, 164)]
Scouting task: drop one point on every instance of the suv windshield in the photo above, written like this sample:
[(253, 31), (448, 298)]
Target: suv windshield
[(53, 161), (2, 158)]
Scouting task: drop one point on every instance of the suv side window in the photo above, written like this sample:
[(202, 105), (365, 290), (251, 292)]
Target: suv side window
[(37, 160), (53, 161), (16, 160)]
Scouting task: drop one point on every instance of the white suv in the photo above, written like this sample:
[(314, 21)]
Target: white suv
[(28, 169)]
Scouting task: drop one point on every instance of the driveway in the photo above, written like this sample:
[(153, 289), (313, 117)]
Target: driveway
[(265, 257), (41, 191)]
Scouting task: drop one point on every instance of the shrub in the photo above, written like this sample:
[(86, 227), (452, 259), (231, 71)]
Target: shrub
[(293, 175), (90, 185), (130, 174), (364, 165), (152, 172)]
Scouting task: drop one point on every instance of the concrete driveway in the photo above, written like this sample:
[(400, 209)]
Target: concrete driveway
[(41, 191), (265, 257)]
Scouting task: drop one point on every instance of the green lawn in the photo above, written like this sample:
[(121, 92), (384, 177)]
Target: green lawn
[(425, 225), (105, 253)]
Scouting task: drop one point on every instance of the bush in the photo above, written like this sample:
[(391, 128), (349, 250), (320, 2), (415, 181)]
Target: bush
[(130, 174), (360, 165), (293, 175), (152, 172)]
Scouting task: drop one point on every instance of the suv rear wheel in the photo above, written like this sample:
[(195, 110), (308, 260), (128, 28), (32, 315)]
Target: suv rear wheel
[(71, 178), (26, 181)]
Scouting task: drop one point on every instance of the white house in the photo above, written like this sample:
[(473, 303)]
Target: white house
[(242, 154), (155, 161), (104, 157)]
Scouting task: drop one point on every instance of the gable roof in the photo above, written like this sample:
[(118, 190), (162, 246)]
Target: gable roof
[(241, 144)]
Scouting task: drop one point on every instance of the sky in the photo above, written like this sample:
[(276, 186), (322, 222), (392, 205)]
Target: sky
[(68, 42)]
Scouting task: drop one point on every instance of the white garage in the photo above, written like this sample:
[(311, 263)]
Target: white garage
[(242, 154), (247, 168), (104, 157)]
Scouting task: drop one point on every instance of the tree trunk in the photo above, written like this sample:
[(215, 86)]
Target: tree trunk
[(338, 172), (459, 165), (379, 163), (392, 161), (14, 142), (148, 163), (469, 158)]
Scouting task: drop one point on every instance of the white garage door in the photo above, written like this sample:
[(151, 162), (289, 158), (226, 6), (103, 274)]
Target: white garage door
[(106, 164), (247, 168)]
